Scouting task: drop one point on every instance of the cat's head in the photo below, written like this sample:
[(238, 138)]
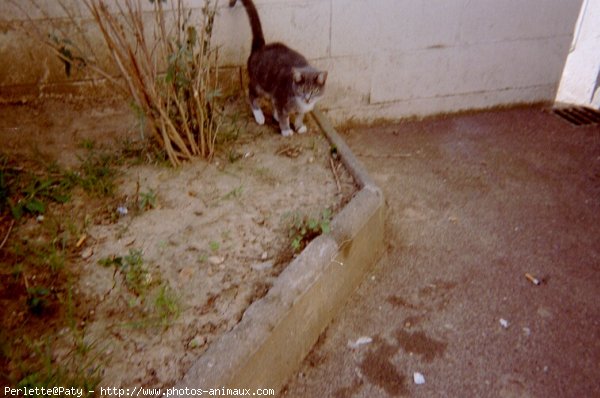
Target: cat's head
[(308, 84)]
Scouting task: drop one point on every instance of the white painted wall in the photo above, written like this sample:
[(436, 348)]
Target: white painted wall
[(580, 83), (394, 58)]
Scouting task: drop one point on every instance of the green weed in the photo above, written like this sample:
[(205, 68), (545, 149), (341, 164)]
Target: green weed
[(77, 370), (136, 276), (166, 305), (96, 173), (30, 194), (235, 193), (303, 228), (147, 200), (214, 246)]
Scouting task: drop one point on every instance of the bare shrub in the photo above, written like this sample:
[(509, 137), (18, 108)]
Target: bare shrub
[(160, 59)]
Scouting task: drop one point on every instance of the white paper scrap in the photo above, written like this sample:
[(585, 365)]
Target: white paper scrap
[(418, 378), (360, 341)]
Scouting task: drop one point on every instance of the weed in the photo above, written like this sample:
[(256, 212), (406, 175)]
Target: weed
[(37, 299), (44, 251), (54, 257), (226, 235), (97, 173), (147, 200), (77, 370), (214, 246), (88, 144), (303, 229), (163, 244), (233, 155), (235, 193), (137, 278), (160, 307), (27, 193), (166, 305)]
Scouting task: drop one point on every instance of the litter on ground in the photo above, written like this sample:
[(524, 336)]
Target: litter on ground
[(418, 378), (360, 341)]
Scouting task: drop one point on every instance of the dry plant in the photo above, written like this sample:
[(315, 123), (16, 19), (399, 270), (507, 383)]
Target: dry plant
[(161, 60)]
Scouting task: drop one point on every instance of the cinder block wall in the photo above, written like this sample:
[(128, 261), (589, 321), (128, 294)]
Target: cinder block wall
[(389, 58)]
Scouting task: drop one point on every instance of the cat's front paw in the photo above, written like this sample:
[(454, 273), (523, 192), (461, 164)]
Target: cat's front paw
[(287, 132), (302, 130), (258, 116)]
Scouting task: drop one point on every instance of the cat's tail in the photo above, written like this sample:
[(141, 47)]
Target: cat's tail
[(258, 39)]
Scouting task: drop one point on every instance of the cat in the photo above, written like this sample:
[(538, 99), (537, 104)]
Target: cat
[(282, 75)]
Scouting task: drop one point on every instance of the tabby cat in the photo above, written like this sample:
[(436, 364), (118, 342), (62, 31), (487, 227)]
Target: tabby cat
[(282, 75)]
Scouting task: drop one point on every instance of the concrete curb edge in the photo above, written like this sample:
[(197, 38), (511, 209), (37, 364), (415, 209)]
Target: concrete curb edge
[(277, 332)]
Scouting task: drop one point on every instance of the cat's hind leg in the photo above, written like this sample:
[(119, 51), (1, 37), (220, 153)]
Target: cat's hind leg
[(299, 124), (255, 105), (275, 113)]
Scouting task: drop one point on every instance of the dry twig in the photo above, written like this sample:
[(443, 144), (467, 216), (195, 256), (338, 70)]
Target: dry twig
[(335, 175), (7, 233)]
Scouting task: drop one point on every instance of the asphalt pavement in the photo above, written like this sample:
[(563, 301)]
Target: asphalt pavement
[(480, 207)]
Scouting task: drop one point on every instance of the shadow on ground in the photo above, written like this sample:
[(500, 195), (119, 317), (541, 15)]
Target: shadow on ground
[(475, 202)]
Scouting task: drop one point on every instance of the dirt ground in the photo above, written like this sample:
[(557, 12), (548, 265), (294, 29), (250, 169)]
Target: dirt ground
[(149, 288), (475, 201)]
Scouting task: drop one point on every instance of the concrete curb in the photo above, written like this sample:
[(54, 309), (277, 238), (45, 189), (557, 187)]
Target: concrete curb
[(276, 332)]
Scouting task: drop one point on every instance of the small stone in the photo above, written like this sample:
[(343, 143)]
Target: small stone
[(87, 253), (186, 273), (264, 256), (197, 342), (216, 260), (504, 323), (265, 265)]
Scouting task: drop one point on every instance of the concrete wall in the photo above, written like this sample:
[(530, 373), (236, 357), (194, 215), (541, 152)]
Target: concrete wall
[(387, 58), (580, 83)]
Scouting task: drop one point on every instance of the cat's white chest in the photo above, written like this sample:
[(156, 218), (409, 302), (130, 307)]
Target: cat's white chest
[(305, 107)]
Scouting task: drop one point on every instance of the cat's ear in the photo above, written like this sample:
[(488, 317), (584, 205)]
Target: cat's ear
[(322, 77), (296, 75)]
